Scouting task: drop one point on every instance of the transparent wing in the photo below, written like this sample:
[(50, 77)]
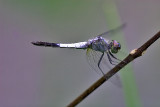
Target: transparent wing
[(113, 31), (93, 58)]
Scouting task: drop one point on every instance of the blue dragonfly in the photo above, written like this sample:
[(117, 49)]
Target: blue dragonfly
[(96, 48)]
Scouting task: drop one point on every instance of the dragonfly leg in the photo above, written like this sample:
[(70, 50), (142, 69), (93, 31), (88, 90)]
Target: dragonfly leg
[(100, 62), (110, 60), (115, 57)]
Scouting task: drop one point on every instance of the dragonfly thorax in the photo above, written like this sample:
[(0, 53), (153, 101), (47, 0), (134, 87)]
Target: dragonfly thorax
[(103, 45), (99, 44)]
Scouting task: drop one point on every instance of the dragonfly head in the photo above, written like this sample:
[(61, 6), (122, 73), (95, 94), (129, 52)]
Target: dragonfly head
[(115, 46)]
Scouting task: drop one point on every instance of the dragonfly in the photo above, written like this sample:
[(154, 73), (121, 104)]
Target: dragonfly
[(98, 44)]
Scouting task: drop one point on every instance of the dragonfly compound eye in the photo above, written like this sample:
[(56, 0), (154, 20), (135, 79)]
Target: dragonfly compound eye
[(115, 46)]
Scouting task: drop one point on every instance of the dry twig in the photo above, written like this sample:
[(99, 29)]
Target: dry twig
[(133, 55)]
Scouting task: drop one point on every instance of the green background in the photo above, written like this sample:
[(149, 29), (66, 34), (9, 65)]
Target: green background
[(45, 77)]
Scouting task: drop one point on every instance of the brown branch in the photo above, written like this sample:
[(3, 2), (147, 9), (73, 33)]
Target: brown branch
[(133, 55)]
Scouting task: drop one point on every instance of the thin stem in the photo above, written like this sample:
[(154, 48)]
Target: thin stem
[(133, 55)]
